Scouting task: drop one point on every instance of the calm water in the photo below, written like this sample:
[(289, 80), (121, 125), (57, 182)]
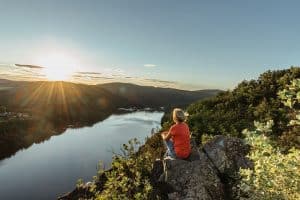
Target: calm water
[(51, 168)]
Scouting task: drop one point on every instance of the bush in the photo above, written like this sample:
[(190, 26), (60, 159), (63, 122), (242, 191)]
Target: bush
[(130, 175), (275, 175), (290, 97)]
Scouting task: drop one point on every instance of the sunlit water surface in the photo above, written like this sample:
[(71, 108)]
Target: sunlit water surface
[(51, 168)]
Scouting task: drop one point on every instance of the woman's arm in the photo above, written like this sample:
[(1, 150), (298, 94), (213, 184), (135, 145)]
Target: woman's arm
[(166, 135)]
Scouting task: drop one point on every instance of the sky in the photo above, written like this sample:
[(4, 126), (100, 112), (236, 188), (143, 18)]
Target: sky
[(190, 45)]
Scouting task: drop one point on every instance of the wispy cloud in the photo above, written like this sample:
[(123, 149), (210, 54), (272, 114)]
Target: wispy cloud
[(21, 72), (29, 66), (106, 75), (160, 81), (90, 77), (118, 75), (150, 65), (89, 73)]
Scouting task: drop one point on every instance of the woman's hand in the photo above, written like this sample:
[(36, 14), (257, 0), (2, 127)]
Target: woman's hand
[(165, 135)]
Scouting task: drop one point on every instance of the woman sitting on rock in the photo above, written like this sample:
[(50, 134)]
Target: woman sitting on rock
[(177, 139)]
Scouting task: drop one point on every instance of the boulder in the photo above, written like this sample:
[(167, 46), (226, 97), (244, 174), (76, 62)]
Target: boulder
[(228, 155), (192, 179), (209, 173)]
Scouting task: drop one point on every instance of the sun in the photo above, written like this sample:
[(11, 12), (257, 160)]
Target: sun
[(57, 66), (58, 72)]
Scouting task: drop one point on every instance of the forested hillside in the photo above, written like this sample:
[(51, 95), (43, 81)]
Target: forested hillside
[(144, 96), (230, 112)]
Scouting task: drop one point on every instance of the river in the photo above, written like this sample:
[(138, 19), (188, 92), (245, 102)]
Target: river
[(49, 169)]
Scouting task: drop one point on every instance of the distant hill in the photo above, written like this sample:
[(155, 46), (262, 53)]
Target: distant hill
[(145, 96), (22, 95)]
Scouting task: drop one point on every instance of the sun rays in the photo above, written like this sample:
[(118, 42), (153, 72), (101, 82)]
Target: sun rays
[(47, 98), (57, 65)]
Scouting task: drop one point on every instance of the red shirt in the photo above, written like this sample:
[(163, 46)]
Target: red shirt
[(181, 138)]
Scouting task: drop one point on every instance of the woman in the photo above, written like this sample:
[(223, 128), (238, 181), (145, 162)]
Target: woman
[(177, 139)]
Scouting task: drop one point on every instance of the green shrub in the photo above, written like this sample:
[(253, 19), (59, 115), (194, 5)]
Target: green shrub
[(129, 177), (275, 175), (290, 97)]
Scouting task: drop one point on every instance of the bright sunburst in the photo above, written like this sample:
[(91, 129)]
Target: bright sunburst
[(58, 66)]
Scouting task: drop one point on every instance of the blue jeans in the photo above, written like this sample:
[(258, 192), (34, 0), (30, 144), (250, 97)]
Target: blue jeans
[(170, 149)]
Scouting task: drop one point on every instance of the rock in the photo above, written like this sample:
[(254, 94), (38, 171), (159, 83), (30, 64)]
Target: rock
[(194, 153), (201, 176), (157, 170), (228, 154), (193, 179)]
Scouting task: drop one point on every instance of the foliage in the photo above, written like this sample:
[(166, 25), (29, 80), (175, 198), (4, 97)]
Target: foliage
[(154, 146), (79, 183), (230, 112), (290, 97), (275, 175), (129, 177), (205, 138)]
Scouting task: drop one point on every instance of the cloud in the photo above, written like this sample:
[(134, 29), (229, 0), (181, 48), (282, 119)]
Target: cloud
[(29, 66), (160, 81), (21, 72), (88, 73), (150, 65), (90, 77), (108, 78), (168, 84), (106, 75)]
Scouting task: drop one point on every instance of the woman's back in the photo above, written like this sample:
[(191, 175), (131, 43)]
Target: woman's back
[(181, 138)]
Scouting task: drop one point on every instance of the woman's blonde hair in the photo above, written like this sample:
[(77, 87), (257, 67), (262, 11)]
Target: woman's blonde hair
[(178, 115)]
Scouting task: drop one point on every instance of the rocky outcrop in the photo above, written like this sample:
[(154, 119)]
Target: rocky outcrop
[(228, 155), (210, 173)]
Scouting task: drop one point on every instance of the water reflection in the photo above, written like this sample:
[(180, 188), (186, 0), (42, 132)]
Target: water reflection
[(51, 168)]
